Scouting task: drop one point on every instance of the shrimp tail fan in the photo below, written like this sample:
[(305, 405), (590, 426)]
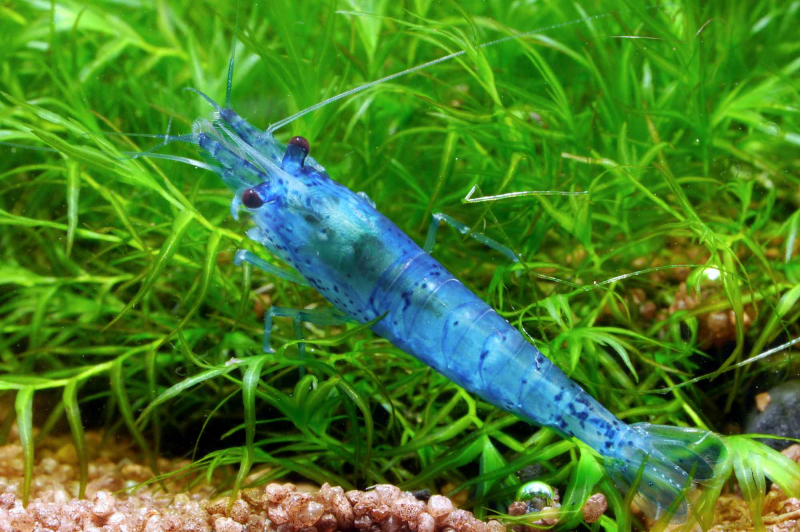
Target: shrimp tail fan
[(677, 461)]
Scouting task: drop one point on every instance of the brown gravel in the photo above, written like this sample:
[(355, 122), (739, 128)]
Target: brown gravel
[(111, 506), (594, 508)]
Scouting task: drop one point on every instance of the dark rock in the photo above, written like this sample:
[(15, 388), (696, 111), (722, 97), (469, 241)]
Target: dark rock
[(780, 417), (530, 472), (422, 495)]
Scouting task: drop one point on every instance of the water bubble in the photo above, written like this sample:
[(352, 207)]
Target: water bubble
[(537, 494), (771, 128)]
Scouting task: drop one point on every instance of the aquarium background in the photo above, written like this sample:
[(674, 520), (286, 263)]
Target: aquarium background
[(121, 308)]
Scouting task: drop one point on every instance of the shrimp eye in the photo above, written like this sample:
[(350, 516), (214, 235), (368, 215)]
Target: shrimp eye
[(251, 199), (300, 142)]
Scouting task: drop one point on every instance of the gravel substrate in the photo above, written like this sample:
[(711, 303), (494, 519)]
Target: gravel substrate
[(109, 507), (54, 506)]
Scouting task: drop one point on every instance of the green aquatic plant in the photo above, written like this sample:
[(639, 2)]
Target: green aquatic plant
[(119, 302)]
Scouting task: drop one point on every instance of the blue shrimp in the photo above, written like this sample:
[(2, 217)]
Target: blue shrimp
[(368, 268)]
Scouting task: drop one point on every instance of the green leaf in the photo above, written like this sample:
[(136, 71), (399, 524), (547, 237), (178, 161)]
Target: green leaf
[(185, 384), (491, 460), (461, 455), (125, 408), (582, 485), (252, 377), (212, 250), (752, 484), (786, 303), (70, 400), (168, 249), (24, 408), (73, 193), (369, 27)]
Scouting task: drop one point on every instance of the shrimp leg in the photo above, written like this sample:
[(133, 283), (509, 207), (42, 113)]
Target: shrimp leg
[(323, 316), (298, 316), (244, 255), (439, 217)]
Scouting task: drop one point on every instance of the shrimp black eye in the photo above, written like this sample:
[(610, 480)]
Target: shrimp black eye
[(300, 142), (251, 199)]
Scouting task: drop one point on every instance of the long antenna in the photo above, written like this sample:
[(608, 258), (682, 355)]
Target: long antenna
[(345, 94)]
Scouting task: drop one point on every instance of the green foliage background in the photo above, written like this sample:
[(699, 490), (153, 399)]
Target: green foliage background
[(116, 279)]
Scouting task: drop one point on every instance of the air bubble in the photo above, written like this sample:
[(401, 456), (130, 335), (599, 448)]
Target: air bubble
[(771, 128)]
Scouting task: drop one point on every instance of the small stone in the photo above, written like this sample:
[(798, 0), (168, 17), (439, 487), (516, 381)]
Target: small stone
[(363, 522), (792, 452), (439, 506), (153, 524), (327, 523), (340, 507), (7, 500), (278, 515), (762, 401), (380, 512), (117, 521), (308, 514), (255, 497), (171, 523), (361, 509), (387, 493), (136, 472), (791, 505), (638, 295), (595, 507), (277, 492), (547, 521), (226, 524), (240, 512), (648, 310), (19, 518), (518, 508), (422, 495), (391, 524), (426, 523), (66, 454), (459, 520), (47, 516), (495, 526), (220, 506), (103, 505), (408, 508)]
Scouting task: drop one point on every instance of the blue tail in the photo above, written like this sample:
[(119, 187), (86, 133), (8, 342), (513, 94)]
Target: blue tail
[(678, 460)]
